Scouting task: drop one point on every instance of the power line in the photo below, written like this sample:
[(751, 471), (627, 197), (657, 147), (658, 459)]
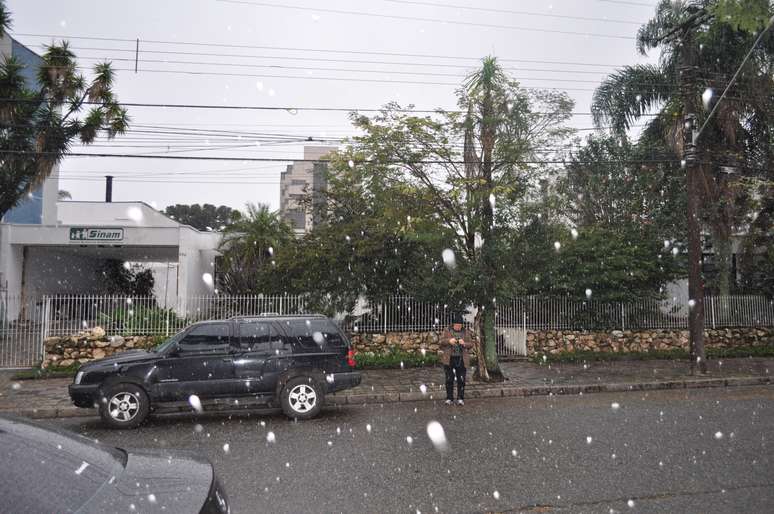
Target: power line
[(362, 161), (353, 61), (428, 20), (353, 70), (288, 109), (337, 79), (507, 11), (306, 50), (186, 181)]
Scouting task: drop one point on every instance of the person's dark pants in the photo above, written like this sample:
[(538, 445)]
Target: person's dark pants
[(455, 370)]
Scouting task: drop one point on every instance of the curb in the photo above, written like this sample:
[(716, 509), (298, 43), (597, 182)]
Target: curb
[(479, 392)]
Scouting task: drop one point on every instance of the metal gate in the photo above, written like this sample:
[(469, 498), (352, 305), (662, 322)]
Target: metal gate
[(511, 330), (22, 331)]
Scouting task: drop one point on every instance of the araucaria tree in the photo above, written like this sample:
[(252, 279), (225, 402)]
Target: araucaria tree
[(39, 125), (459, 166)]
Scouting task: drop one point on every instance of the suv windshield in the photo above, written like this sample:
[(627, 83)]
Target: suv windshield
[(169, 342)]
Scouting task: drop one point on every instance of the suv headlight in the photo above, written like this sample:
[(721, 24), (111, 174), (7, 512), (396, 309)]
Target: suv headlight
[(78, 377)]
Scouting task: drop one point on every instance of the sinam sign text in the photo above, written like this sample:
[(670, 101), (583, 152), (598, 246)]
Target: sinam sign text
[(96, 234)]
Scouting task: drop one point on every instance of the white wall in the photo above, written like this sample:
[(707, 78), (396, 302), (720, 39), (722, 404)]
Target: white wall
[(197, 257), (116, 214)]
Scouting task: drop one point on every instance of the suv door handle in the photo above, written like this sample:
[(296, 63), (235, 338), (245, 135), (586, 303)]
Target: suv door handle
[(228, 360)]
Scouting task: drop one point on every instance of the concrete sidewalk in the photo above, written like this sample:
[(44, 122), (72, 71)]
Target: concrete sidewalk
[(48, 398)]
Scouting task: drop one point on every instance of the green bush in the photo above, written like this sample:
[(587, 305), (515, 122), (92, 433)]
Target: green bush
[(127, 320), (393, 359), (676, 354)]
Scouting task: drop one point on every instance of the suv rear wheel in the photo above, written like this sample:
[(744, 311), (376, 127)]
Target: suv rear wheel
[(125, 406), (301, 398)]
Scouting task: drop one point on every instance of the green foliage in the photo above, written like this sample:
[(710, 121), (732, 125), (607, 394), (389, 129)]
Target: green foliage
[(614, 184), (621, 264), (37, 126), (120, 279), (675, 354), (741, 15), (395, 359), (130, 320), (250, 248), (205, 217), (714, 35), (757, 259)]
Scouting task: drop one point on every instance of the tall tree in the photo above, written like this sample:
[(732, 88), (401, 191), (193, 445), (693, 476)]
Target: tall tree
[(714, 36), (203, 217), (248, 250), (615, 184), (39, 125), (459, 166)]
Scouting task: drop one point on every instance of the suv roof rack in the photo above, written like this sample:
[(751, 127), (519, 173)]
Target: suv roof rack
[(277, 315)]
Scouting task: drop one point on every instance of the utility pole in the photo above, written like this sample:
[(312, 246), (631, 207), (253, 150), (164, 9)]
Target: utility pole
[(688, 72), (691, 153)]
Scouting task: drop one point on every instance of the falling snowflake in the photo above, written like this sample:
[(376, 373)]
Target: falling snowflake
[(195, 403), (448, 258), (270, 437), (437, 436)]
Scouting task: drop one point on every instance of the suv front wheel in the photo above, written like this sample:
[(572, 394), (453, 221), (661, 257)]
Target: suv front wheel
[(301, 398), (124, 406)]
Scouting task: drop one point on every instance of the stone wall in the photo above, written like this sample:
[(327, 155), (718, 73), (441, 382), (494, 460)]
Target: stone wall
[(90, 345), (95, 344), (556, 341), (412, 342)]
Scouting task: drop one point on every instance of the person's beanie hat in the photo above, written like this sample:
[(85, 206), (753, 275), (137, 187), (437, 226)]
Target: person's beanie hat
[(457, 318)]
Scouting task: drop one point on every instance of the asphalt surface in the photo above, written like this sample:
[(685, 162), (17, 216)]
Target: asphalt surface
[(703, 451)]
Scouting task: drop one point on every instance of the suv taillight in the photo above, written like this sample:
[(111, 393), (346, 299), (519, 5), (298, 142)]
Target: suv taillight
[(351, 358)]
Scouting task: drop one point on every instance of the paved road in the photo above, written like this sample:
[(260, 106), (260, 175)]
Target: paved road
[(703, 451)]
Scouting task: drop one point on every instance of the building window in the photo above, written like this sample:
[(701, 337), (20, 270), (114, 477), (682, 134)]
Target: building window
[(297, 219)]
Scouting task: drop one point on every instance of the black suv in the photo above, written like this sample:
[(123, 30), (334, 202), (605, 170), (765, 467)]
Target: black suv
[(292, 361)]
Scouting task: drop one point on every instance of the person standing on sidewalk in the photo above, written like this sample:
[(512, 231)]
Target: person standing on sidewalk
[(455, 344)]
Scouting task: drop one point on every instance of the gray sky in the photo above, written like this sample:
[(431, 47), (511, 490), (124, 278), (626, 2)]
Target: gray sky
[(309, 40)]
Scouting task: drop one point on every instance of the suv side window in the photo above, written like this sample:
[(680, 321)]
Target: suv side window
[(256, 336), (207, 337), (314, 335)]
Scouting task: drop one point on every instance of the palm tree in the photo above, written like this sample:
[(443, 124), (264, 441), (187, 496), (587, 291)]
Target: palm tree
[(248, 249), (38, 127), (739, 136)]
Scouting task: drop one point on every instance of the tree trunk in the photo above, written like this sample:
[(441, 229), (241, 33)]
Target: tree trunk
[(482, 372)]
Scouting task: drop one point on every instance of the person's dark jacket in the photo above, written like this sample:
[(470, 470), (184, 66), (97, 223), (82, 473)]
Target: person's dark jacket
[(446, 346)]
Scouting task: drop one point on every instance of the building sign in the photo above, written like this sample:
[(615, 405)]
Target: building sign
[(96, 234)]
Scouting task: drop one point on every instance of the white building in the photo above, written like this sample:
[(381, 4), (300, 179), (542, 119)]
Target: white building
[(299, 180), (49, 247), (61, 258)]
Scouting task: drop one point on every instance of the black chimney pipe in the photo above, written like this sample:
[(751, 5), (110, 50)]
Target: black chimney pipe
[(108, 188)]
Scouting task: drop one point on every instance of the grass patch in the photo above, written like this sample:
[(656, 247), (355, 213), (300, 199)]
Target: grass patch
[(394, 358), (50, 372), (676, 354)]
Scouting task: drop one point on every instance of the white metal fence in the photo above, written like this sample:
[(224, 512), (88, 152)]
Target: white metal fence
[(25, 323), (21, 331)]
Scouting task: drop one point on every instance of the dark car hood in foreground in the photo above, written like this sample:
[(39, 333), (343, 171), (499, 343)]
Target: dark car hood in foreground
[(49, 469), (155, 481)]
